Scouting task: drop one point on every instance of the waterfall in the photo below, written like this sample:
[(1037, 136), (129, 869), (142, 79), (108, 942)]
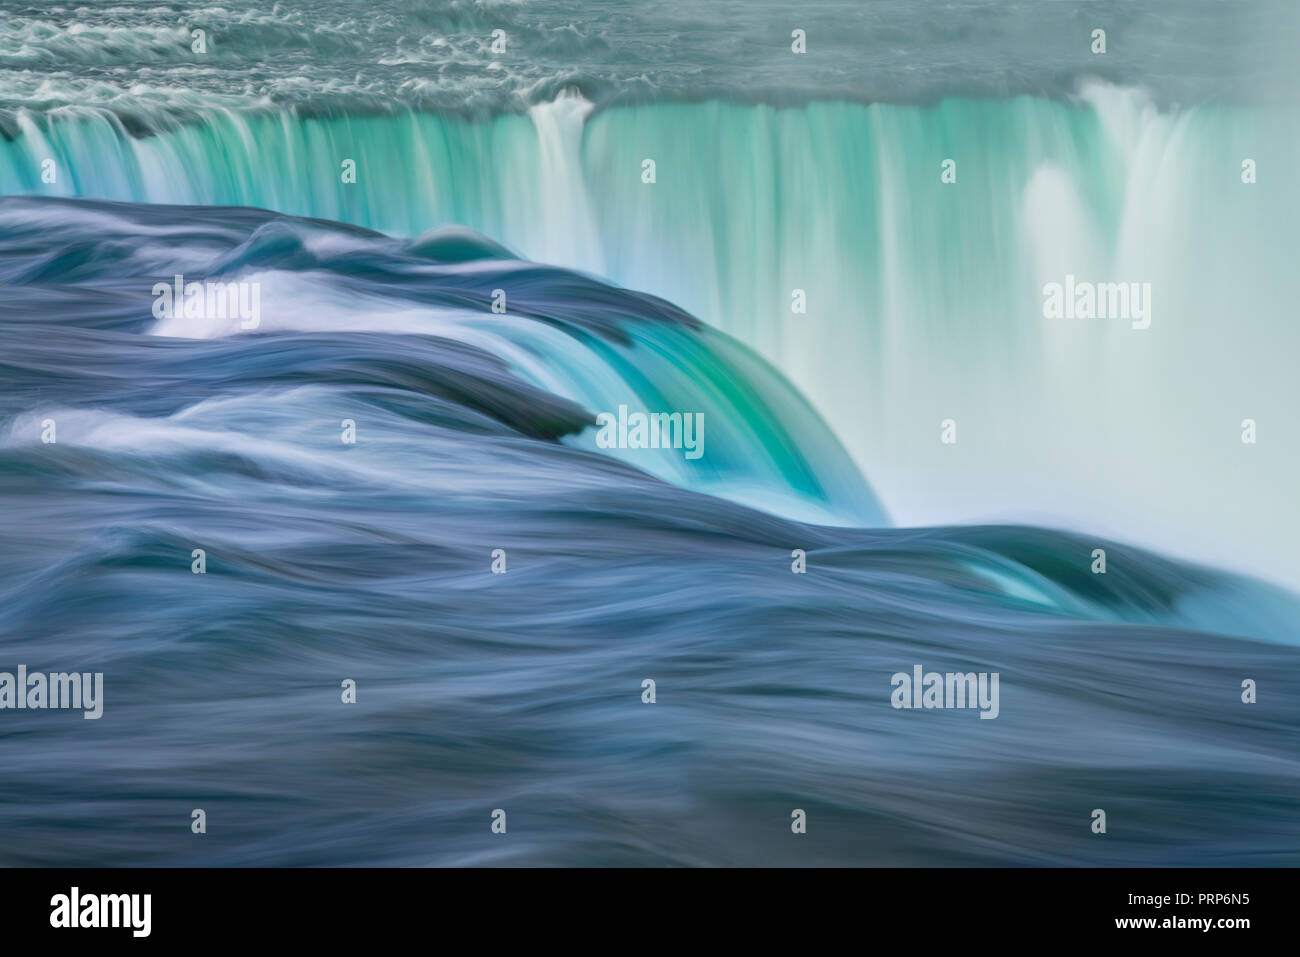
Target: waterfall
[(923, 298)]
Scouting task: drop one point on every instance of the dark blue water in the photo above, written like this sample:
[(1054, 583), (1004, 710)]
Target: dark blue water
[(522, 691)]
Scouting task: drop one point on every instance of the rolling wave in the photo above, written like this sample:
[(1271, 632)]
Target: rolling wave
[(522, 690)]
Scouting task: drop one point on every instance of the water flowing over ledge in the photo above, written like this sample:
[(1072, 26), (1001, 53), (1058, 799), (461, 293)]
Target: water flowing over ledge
[(924, 299), (587, 346)]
